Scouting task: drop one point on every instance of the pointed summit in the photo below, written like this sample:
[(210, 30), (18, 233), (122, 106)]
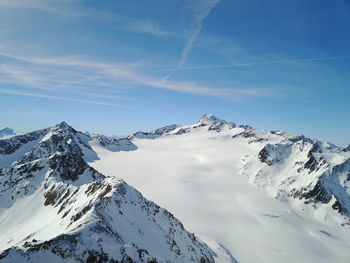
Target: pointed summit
[(99, 218), (210, 119), (63, 127), (7, 131)]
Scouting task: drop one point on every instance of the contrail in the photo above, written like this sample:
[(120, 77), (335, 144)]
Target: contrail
[(258, 63), (201, 13)]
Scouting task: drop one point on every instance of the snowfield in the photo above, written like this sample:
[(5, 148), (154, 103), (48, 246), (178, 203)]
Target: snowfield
[(198, 177), (247, 195)]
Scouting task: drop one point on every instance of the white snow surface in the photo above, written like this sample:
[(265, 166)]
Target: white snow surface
[(55, 208), (250, 195), (204, 177)]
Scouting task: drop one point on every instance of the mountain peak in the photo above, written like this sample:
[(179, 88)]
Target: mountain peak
[(53, 177), (7, 131), (62, 127), (210, 119), (62, 124)]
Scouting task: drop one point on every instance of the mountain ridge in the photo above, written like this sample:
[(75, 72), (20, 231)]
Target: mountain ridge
[(53, 178), (308, 175), (315, 192), (238, 199)]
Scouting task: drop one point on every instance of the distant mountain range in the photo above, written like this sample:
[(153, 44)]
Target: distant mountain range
[(62, 198), (7, 132)]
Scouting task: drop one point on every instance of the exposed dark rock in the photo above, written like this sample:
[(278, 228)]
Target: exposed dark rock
[(50, 198), (216, 126), (8, 146), (317, 194), (182, 131), (68, 166), (339, 207), (264, 155)]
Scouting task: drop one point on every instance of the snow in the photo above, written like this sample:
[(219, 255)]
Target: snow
[(8, 133), (6, 160), (76, 213), (210, 119), (135, 222), (221, 254), (196, 176), (220, 180)]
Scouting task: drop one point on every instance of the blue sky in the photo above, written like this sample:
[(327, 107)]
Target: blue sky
[(115, 67)]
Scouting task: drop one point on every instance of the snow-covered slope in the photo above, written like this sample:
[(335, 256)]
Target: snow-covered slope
[(265, 196), (311, 175), (113, 144), (262, 196), (54, 207), (7, 133)]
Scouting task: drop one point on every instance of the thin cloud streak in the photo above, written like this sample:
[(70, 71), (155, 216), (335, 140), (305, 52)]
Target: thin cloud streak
[(30, 94), (151, 28), (201, 12), (181, 86), (68, 74), (64, 8), (81, 73), (69, 61), (258, 63)]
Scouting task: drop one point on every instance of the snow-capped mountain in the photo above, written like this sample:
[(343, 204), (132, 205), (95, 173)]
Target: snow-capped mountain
[(310, 174), (54, 207), (113, 144), (283, 196), (153, 134), (7, 133), (303, 170), (262, 196)]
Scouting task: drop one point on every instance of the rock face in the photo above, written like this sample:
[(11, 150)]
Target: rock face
[(54, 207)]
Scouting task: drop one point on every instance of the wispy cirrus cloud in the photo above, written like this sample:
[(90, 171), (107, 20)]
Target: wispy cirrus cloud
[(201, 11), (95, 79), (151, 28), (64, 8), (281, 61), (51, 97), (74, 9)]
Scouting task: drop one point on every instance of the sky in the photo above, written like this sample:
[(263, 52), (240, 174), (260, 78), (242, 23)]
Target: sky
[(117, 67)]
